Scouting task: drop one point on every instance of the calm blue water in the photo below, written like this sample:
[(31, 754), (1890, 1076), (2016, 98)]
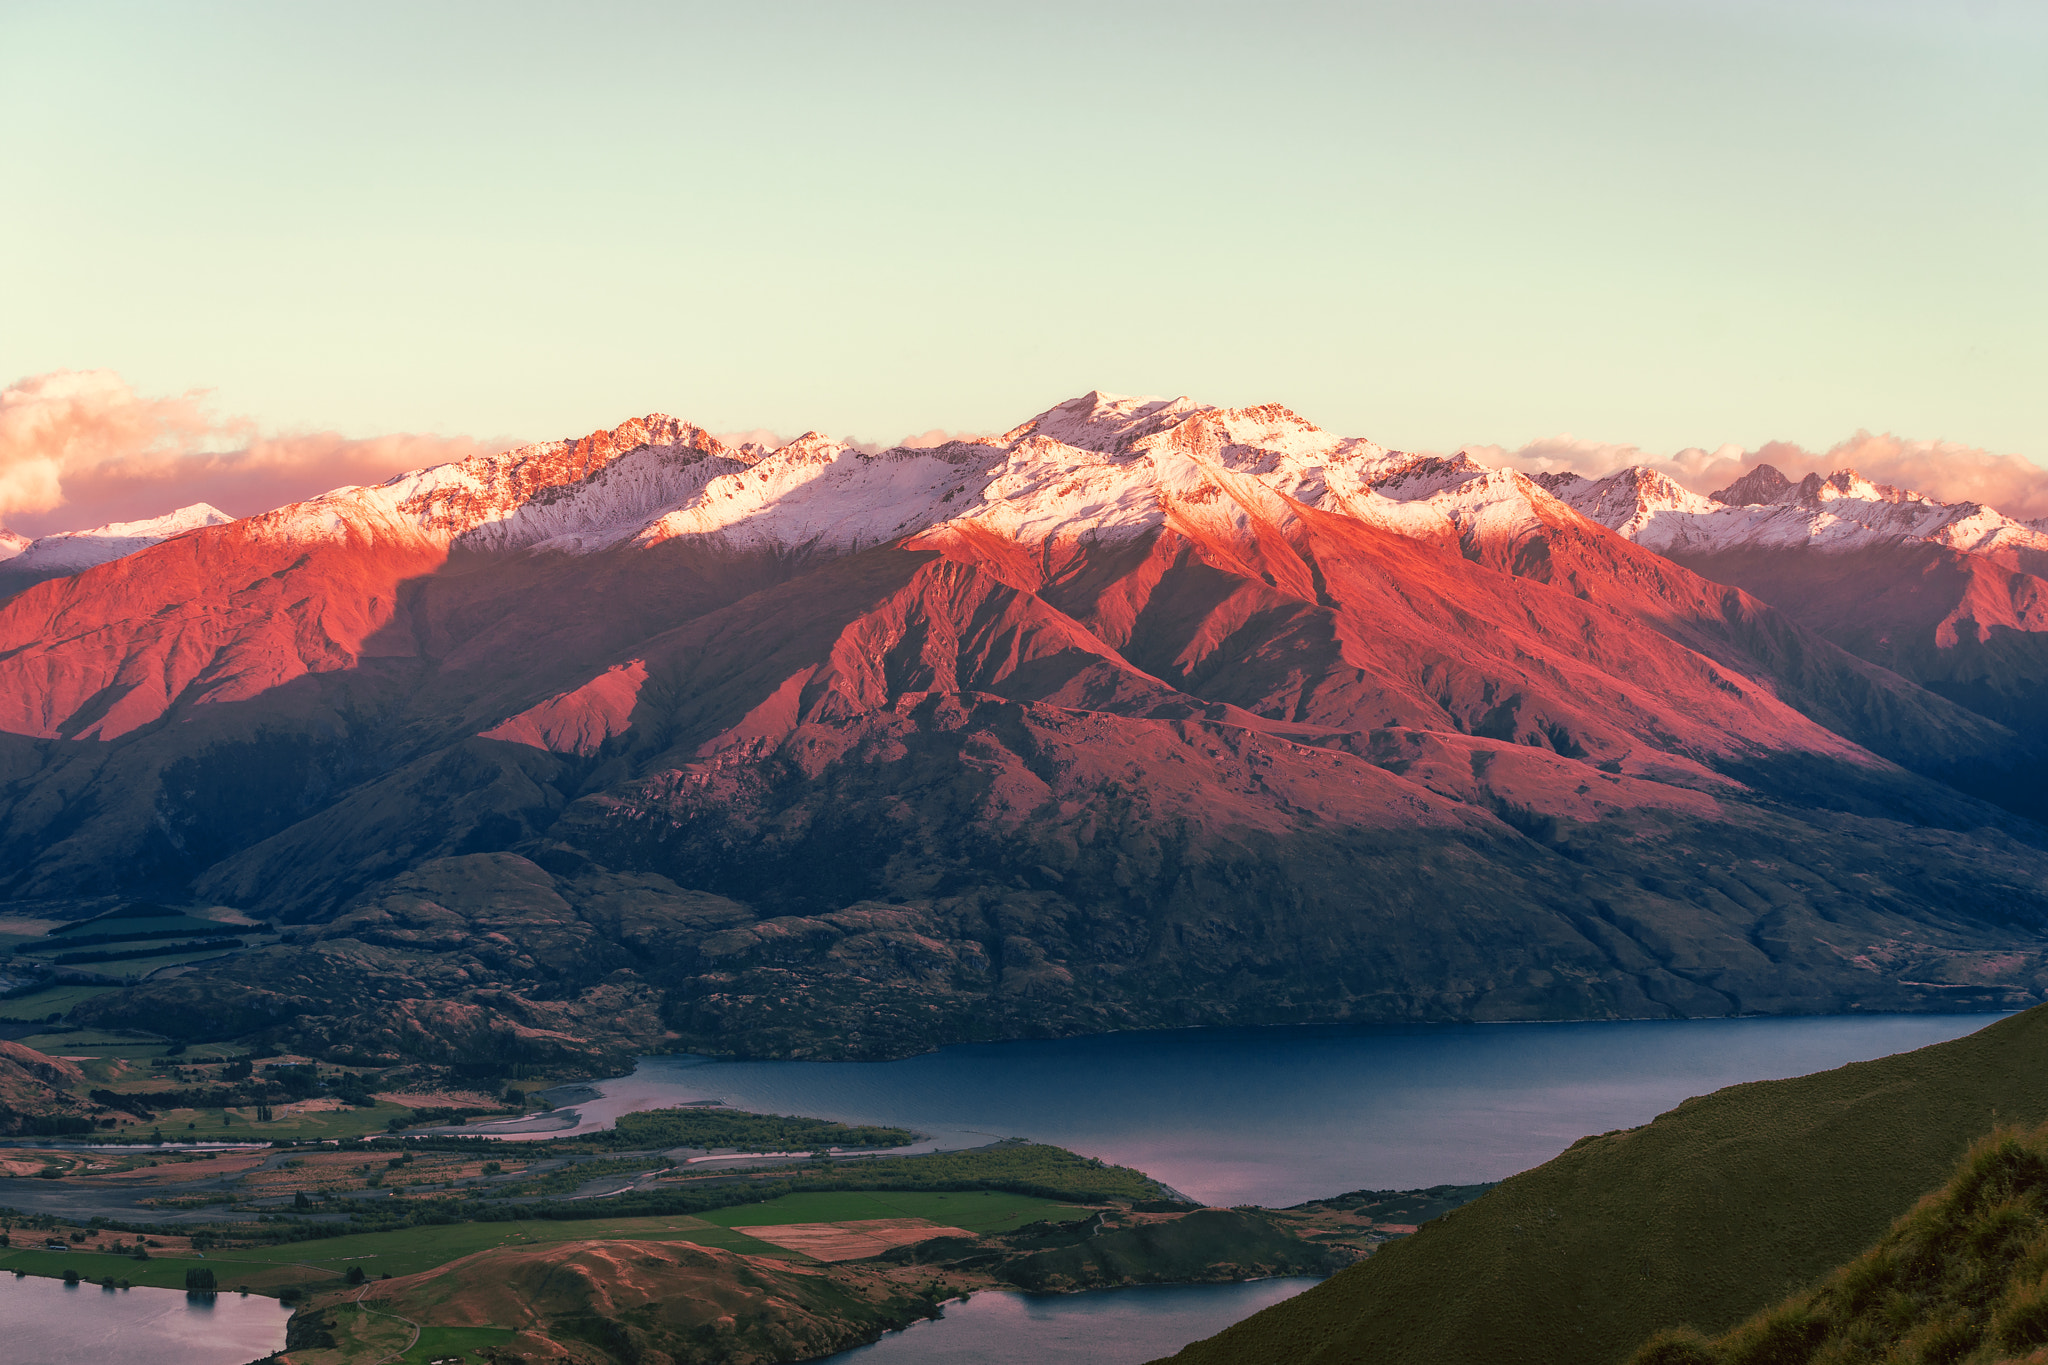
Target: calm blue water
[(46, 1322), (1104, 1327), (1275, 1116)]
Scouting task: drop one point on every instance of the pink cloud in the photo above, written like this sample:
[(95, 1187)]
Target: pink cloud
[(82, 448), (1947, 471)]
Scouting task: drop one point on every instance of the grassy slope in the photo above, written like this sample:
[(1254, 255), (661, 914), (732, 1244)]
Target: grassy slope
[(1962, 1279), (1704, 1216)]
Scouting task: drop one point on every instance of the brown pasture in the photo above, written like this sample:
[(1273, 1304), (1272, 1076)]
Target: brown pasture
[(851, 1241)]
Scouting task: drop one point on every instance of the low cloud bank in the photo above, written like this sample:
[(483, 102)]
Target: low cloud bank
[(1948, 471), (82, 448)]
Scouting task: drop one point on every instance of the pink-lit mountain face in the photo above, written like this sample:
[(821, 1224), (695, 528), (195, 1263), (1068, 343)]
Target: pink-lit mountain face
[(1142, 713)]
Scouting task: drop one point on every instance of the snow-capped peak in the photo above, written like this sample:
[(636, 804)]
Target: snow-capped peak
[(1847, 483), (1102, 422), (608, 483), (11, 544), (67, 552), (1766, 486), (162, 527), (1629, 501)]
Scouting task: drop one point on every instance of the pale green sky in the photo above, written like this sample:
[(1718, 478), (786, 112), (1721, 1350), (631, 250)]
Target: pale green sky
[(1664, 223)]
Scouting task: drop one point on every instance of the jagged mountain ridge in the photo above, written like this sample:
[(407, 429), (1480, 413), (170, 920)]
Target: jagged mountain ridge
[(1100, 466), (1837, 512), (1143, 712)]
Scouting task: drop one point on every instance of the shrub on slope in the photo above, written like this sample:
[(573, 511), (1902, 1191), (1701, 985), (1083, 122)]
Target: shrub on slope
[(1961, 1279), (1710, 1213)]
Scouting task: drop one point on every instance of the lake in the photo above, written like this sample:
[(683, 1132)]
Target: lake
[(47, 1322), (1275, 1116), (1102, 1327)]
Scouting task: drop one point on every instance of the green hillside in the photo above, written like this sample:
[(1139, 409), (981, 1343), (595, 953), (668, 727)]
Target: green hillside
[(1710, 1213), (1961, 1279)]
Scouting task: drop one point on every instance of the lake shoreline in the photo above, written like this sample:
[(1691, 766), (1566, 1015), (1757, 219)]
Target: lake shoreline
[(862, 1091)]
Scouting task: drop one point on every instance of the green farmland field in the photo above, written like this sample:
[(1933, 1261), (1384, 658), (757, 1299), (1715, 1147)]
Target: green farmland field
[(436, 1343), (408, 1251)]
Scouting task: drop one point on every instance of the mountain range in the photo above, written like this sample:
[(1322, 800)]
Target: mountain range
[(1143, 713)]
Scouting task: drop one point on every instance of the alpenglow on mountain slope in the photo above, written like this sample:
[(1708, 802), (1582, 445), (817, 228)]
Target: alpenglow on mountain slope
[(1143, 713)]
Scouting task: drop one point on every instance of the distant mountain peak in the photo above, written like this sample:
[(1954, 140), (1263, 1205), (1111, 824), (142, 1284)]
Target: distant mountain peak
[(1835, 512), (188, 518), (1764, 484), (68, 552)]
